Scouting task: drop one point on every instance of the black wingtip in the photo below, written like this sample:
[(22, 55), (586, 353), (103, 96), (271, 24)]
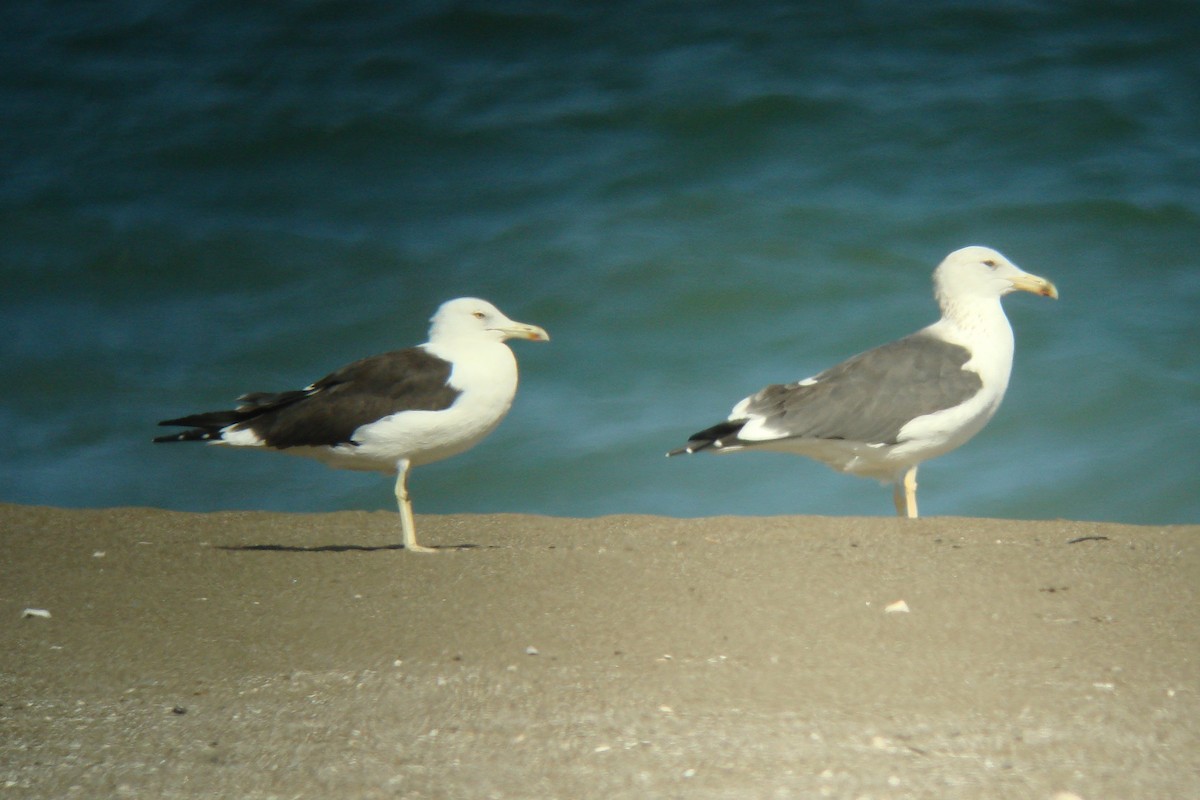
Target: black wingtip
[(206, 427), (194, 435), (713, 438)]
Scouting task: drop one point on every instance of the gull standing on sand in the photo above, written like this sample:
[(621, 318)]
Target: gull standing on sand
[(882, 413), (390, 412)]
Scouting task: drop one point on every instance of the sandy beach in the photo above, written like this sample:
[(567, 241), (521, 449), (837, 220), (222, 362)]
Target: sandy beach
[(157, 654)]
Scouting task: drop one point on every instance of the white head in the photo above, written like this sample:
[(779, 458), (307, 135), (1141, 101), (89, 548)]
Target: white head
[(470, 317), (980, 273)]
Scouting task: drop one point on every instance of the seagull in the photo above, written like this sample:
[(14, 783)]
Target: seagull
[(881, 413), (391, 412)]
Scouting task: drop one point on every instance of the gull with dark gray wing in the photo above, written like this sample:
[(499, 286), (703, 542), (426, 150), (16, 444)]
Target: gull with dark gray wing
[(882, 413), (390, 412)]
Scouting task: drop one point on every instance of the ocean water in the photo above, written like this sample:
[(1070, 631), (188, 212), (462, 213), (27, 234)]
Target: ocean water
[(200, 199)]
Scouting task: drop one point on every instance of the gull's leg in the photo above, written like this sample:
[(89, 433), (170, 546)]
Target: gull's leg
[(406, 515), (898, 496), (910, 492)]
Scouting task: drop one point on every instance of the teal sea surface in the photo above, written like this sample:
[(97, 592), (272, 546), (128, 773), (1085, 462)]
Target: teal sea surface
[(200, 199)]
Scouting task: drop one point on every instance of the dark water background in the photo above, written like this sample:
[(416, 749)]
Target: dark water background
[(199, 199)]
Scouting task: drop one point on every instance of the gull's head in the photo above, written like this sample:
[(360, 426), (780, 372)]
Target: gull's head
[(981, 273), (470, 317)]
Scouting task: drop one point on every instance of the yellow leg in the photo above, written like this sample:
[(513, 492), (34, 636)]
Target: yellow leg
[(406, 516), (910, 492)]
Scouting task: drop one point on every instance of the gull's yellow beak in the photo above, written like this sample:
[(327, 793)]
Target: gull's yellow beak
[(1036, 285), (520, 330)]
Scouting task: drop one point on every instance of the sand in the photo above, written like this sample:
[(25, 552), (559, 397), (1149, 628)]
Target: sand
[(256, 655)]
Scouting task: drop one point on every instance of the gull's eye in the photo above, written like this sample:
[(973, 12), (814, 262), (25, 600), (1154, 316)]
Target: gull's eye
[(479, 315), (991, 264)]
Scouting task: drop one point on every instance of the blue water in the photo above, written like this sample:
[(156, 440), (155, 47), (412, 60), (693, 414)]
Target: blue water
[(199, 199)]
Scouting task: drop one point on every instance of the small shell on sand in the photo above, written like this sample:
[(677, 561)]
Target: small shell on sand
[(898, 607)]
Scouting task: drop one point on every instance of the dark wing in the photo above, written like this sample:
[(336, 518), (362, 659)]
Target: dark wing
[(871, 396), (329, 411)]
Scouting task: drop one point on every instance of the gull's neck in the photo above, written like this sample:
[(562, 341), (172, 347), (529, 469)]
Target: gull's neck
[(975, 315)]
